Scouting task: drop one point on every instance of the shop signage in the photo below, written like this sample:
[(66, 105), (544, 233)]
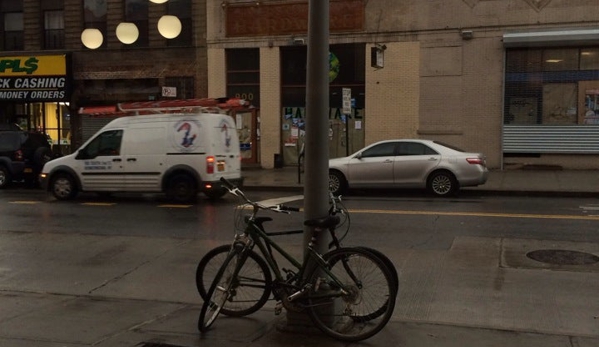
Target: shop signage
[(264, 18), (34, 78)]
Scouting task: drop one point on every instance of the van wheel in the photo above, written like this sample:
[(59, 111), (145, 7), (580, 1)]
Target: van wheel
[(5, 178), (63, 187), (182, 188)]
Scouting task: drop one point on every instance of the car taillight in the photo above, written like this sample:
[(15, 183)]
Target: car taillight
[(19, 155), (210, 164), (476, 161)]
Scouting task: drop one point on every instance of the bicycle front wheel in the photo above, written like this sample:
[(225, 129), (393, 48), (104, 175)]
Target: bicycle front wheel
[(341, 303), (220, 290), (250, 288)]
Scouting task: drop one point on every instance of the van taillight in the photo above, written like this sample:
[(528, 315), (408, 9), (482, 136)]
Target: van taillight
[(19, 155), (210, 164)]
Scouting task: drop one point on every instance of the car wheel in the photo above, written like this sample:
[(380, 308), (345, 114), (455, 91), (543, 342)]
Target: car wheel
[(442, 183), (337, 183), (182, 188), (5, 178), (63, 187)]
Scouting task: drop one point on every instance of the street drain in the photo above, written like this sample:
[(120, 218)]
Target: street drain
[(563, 257)]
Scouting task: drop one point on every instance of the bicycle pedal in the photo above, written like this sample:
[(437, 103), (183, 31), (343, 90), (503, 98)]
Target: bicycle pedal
[(278, 308)]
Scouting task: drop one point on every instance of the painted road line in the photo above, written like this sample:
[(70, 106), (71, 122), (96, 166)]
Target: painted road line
[(98, 203), (479, 214), (24, 202)]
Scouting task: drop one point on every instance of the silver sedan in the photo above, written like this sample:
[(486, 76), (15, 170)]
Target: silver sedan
[(408, 163)]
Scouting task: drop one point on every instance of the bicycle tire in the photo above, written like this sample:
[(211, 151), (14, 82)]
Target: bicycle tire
[(379, 311), (219, 292), (251, 289), (387, 262), (343, 317)]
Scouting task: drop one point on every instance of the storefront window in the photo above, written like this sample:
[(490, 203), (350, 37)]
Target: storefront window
[(551, 86), (589, 59), (347, 68)]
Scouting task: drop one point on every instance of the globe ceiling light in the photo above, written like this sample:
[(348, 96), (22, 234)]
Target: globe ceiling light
[(169, 26), (127, 33), (92, 38), (158, 1)]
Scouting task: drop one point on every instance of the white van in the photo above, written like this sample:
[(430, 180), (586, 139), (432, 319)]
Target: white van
[(180, 154)]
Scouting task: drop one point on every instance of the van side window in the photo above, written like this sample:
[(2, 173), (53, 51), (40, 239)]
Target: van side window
[(107, 143)]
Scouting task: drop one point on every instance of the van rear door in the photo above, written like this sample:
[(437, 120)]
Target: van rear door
[(225, 148)]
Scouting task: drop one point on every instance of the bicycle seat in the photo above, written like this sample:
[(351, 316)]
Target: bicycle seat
[(323, 223)]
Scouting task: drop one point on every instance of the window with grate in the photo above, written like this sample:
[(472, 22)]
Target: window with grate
[(54, 29), (243, 74), (182, 10), (184, 85), (94, 16), (12, 25), (136, 12)]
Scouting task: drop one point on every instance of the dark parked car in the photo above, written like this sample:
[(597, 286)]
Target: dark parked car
[(408, 163), (22, 155)]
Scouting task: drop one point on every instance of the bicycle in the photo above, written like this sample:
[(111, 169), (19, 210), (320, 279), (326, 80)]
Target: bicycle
[(246, 293), (337, 289)]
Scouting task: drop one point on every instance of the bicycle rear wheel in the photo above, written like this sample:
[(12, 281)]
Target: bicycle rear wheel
[(250, 289), (220, 291), (370, 287)]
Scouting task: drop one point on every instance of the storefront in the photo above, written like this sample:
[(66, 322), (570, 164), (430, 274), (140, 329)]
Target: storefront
[(551, 93), (35, 92)]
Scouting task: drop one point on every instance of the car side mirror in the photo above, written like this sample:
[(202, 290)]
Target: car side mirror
[(358, 156)]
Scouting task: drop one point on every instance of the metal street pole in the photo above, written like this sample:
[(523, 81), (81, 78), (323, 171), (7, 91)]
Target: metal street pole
[(316, 185), (316, 164)]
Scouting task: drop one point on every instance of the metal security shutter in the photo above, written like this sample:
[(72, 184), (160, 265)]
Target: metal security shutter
[(90, 125), (550, 139)]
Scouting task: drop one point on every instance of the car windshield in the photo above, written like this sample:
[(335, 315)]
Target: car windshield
[(449, 146)]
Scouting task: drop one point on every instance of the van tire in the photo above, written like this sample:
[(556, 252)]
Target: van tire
[(182, 188), (63, 187)]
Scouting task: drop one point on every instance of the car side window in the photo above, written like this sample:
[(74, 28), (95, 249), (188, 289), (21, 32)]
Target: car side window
[(107, 143), (9, 142), (414, 148), (386, 149)]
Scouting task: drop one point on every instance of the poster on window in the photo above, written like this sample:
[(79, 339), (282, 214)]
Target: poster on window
[(591, 105)]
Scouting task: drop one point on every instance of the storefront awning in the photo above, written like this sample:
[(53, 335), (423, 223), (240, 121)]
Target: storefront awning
[(565, 37)]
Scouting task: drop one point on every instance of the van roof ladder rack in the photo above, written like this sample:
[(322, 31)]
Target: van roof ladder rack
[(207, 105)]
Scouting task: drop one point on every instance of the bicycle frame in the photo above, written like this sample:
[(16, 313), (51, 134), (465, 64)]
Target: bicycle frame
[(262, 239)]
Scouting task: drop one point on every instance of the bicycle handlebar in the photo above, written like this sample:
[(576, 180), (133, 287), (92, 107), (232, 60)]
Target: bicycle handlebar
[(237, 192)]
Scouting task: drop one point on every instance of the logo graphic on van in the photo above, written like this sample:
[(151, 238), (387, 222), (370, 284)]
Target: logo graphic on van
[(187, 140), (224, 128), (185, 135)]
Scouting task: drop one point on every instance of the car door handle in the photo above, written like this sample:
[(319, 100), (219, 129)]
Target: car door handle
[(388, 161), (116, 159), (131, 159), (432, 159)]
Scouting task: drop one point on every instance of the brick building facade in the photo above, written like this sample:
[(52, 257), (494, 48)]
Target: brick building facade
[(515, 79)]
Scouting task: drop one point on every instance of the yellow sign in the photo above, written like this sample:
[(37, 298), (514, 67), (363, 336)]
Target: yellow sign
[(42, 65)]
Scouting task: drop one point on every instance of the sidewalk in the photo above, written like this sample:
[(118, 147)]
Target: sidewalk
[(539, 182)]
